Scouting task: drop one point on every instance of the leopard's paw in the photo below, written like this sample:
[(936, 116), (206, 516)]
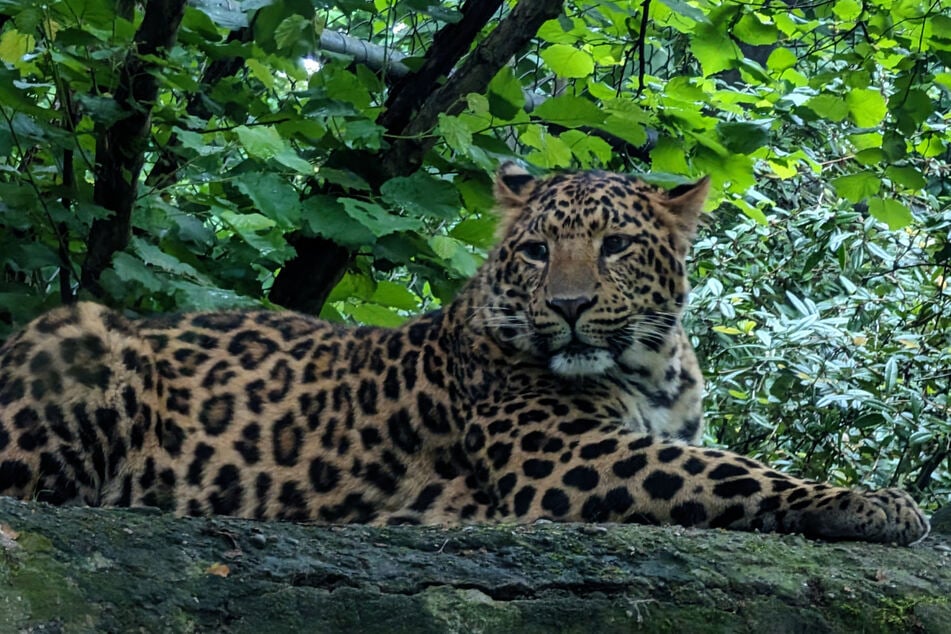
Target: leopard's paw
[(904, 523), (888, 516)]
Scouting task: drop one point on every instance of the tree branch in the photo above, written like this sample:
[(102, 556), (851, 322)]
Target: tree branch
[(374, 56), (449, 46), (512, 35), (642, 46)]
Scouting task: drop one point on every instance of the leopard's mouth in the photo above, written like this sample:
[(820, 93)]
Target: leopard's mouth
[(576, 346), (578, 359)]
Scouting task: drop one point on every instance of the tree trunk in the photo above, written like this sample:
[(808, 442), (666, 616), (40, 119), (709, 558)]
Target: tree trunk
[(120, 150), (95, 570)]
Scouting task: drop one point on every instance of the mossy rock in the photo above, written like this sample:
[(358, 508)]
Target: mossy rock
[(90, 570)]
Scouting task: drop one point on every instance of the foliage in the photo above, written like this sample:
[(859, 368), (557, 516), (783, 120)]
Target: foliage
[(825, 340), (820, 303)]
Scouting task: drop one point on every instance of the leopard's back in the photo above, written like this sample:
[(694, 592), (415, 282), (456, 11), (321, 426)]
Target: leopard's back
[(238, 413)]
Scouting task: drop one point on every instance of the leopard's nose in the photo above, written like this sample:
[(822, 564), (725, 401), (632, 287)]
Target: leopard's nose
[(570, 308)]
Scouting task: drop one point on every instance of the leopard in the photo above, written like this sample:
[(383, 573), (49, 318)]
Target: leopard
[(558, 385)]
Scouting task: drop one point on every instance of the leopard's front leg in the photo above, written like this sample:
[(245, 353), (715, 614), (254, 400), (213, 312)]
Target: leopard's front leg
[(615, 475)]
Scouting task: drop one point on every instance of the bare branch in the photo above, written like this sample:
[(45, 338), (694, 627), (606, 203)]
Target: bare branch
[(374, 56)]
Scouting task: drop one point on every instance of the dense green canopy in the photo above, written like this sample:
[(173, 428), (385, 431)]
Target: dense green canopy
[(336, 157)]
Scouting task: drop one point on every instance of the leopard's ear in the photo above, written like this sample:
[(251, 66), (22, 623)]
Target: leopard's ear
[(513, 185), (686, 204)]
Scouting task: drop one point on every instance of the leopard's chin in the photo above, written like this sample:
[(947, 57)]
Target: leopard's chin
[(575, 361)]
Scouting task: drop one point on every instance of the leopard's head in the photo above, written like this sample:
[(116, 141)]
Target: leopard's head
[(590, 266)]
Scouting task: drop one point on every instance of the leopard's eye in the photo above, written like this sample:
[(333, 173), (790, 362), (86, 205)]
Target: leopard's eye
[(535, 250), (615, 243)]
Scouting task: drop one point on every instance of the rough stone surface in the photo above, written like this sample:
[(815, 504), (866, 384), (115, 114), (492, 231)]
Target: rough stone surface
[(77, 569)]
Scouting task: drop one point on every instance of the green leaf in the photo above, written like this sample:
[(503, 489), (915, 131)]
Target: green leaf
[(261, 142), (550, 150), (258, 231), (12, 94), (198, 25), (847, 10), (477, 231), (345, 86), (153, 256), (261, 72), (196, 142), (752, 30), (894, 145), (308, 131), (752, 212), (571, 111), (225, 14), (857, 187), (199, 297), (353, 285), (476, 193), (422, 195), (289, 158), (347, 179), (931, 146), (360, 133), (681, 8), (911, 108), (743, 137), (15, 46), (265, 142), (668, 156), (713, 49), (132, 269), (395, 296), (891, 212), (455, 133), (829, 106), (908, 177), (272, 196), (295, 35), (375, 315), (568, 61), (506, 98), (433, 10), (459, 257), (589, 149), (866, 106), (866, 140), (626, 127), (871, 156), (891, 373), (377, 219), (325, 216), (781, 58), (24, 257), (558, 31)]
